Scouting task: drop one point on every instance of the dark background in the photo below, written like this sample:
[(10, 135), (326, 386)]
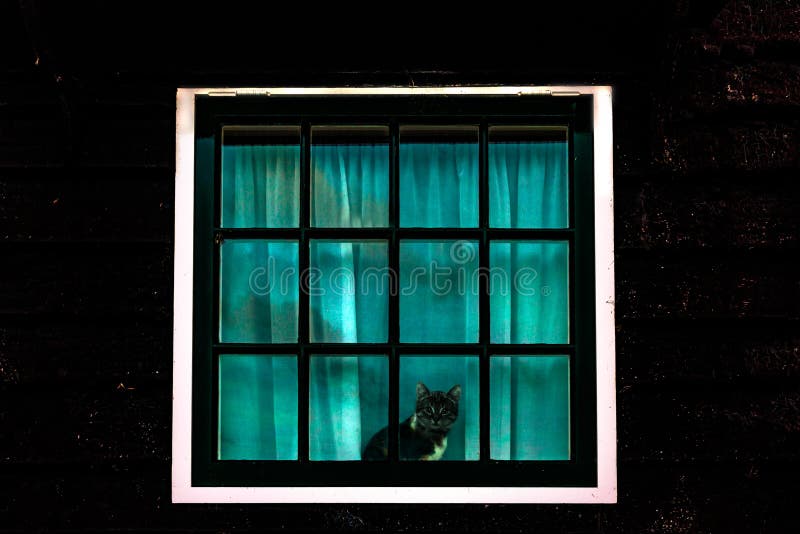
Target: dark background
[(707, 129)]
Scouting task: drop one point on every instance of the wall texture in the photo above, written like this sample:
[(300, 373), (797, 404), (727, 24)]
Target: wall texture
[(707, 126)]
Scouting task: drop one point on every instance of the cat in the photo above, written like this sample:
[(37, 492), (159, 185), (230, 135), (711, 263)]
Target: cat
[(423, 436)]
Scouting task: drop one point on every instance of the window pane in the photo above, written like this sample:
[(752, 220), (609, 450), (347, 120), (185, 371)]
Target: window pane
[(528, 170), (349, 403), (529, 409), (529, 291), (350, 176), (439, 375), (438, 301), (349, 294), (258, 291), (439, 176), (260, 176), (257, 407)]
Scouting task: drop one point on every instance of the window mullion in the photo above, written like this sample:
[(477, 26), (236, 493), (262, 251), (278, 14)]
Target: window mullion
[(483, 217), (394, 297), (302, 327)]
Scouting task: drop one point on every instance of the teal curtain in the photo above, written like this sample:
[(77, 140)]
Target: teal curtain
[(349, 300), (258, 407), (349, 402), (438, 188), (439, 185), (528, 185), (529, 292), (350, 185), (529, 409), (259, 291), (439, 303), (260, 186)]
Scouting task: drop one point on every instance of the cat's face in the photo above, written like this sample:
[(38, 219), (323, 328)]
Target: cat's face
[(437, 410)]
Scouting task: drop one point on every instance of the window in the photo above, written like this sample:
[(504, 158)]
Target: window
[(348, 258)]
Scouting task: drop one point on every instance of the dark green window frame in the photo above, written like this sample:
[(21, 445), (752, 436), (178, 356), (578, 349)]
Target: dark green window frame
[(213, 113)]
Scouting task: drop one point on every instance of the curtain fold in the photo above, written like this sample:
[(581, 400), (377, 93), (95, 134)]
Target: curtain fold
[(529, 292), (259, 291), (260, 186), (350, 186), (335, 409), (528, 185), (438, 301), (439, 185), (529, 408), (349, 292), (258, 407), (349, 399)]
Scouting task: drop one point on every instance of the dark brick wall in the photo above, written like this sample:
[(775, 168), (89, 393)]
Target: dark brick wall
[(707, 126)]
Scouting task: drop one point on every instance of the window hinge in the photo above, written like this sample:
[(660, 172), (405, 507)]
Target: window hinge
[(534, 91), (251, 92), (240, 92)]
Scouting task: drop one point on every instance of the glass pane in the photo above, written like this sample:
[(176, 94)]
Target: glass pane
[(438, 298), (529, 408), (439, 176), (349, 403), (529, 291), (258, 291), (260, 176), (349, 291), (528, 177), (439, 398), (350, 176), (257, 407)]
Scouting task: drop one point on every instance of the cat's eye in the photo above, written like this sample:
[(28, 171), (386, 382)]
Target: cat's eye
[(440, 373)]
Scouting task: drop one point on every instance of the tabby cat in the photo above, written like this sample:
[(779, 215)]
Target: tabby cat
[(423, 436)]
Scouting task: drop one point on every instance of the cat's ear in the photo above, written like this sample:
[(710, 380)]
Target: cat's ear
[(455, 392), (422, 391)]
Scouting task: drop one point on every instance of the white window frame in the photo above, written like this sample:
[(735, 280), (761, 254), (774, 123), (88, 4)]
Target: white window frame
[(606, 489)]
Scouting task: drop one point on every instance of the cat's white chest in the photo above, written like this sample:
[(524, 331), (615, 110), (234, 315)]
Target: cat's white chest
[(438, 450)]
